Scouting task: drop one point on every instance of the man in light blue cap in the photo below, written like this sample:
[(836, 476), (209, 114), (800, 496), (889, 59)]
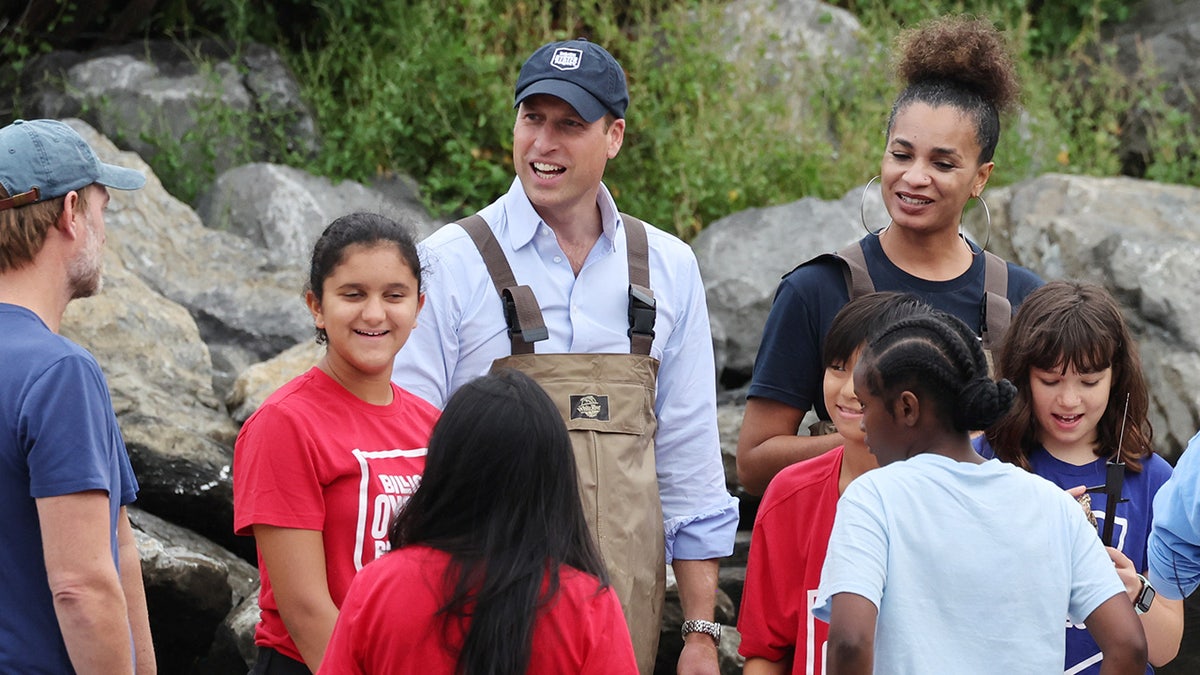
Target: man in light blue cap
[(71, 594)]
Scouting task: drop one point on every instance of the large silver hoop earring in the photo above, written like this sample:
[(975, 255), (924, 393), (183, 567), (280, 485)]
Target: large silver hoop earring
[(862, 204), (987, 213)]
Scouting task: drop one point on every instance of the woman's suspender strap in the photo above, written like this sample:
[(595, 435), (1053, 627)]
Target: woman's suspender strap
[(995, 311)]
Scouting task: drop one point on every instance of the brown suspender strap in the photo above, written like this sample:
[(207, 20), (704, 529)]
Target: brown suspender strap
[(858, 279), (997, 310), (642, 309), (521, 309)]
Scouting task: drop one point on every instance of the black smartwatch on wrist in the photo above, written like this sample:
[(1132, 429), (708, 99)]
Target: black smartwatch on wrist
[(1145, 597)]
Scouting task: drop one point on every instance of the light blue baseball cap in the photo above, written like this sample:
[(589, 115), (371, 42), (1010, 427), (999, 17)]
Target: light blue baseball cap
[(45, 159)]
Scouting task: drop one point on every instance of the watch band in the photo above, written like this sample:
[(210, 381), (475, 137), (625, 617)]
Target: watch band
[(709, 628), (1145, 597)]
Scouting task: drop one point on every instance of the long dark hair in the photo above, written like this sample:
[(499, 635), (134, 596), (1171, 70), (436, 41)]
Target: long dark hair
[(937, 357), (500, 495), (1063, 324)]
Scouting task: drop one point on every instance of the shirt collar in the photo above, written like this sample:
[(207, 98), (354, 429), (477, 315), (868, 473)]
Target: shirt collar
[(524, 221)]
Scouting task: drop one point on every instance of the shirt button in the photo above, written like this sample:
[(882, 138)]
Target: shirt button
[(558, 258)]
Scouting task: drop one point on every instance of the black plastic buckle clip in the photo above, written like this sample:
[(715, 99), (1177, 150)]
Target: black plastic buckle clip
[(514, 323), (641, 312)]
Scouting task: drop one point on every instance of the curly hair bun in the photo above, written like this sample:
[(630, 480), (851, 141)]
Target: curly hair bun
[(962, 49)]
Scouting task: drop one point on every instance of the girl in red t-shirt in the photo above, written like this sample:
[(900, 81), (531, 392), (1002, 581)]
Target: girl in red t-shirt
[(322, 467)]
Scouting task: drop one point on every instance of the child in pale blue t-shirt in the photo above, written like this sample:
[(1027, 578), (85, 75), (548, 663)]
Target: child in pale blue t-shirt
[(910, 581)]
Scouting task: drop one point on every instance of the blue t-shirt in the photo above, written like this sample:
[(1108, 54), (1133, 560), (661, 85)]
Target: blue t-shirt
[(1131, 527), (788, 365), (58, 436)]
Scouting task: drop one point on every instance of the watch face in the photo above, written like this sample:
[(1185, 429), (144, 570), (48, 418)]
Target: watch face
[(1146, 597)]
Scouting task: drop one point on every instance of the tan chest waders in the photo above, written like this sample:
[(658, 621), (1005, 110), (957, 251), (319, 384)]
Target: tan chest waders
[(607, 402)]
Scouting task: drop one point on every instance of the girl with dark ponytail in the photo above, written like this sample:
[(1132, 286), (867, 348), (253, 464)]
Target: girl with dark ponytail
[(909, 583), (492, 569)]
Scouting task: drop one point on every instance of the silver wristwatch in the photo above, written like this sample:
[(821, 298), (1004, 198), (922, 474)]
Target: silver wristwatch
[(709, 628)]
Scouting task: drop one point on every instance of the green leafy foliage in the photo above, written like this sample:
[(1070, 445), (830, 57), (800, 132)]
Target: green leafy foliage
[(425, 89)]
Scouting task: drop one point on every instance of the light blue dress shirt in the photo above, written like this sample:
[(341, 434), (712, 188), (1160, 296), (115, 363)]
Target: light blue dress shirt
[(461, 331), (1174, 548)]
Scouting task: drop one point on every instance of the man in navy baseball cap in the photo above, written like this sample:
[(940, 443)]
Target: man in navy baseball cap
[(579, 72), (616, 310), (71, 596)]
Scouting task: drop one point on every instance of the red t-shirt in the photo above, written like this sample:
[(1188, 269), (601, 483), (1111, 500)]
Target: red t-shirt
[(389, 623), (787, 550), (316, 457)]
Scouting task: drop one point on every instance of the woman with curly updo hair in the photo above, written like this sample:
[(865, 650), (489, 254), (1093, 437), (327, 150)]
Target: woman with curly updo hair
[(942, 132)]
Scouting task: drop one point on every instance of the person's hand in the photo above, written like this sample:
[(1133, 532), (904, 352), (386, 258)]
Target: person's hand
[(699, 656), (1127, 572)]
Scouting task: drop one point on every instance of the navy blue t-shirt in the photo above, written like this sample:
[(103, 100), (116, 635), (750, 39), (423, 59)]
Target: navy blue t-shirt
[(788, 366), (58, 436)]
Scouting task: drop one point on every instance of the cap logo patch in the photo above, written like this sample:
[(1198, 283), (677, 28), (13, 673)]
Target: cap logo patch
[(565, 58), (590, 407)]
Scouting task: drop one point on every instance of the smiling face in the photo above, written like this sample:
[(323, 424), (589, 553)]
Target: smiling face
[(931, 167), (368, 308), (1067, 406), (845, 410), (560, 158)]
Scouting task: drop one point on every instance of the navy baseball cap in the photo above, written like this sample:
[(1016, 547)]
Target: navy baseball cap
[(45, 159), (579, 72)]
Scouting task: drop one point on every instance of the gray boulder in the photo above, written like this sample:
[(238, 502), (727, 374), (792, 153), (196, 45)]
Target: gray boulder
[(284, 210), (743, 256), (242, 302), (1138, 239), (261, 380), (195, 107), (192, 585), (789, 37)]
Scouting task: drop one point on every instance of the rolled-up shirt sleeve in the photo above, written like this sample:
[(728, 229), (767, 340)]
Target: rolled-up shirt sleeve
[(700, 517)]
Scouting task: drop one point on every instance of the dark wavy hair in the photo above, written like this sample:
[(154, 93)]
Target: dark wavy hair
[(363, 229), (1063, 324), (500, 495), (939, 358), (961, 62)]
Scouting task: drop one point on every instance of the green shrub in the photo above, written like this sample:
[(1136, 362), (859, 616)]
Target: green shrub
[(425, 88)]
